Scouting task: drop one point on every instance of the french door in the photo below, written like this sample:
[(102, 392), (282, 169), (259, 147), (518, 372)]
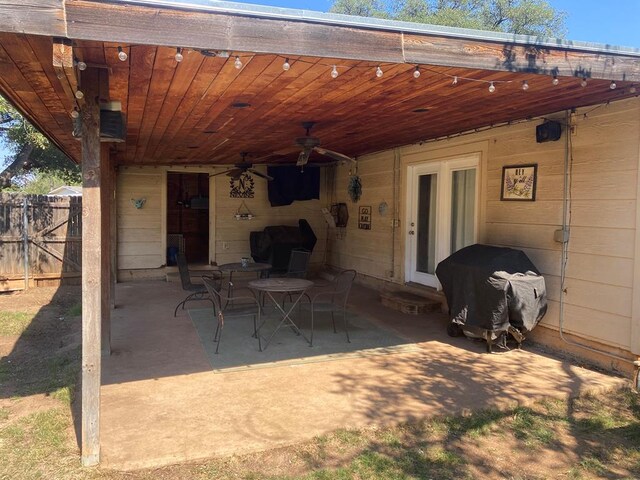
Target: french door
[(442, 214)]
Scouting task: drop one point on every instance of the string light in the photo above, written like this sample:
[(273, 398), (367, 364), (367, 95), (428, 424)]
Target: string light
[(122, 55), (613, 85), (555, 80), (379, 72), (334, 72), (455, 81), (237, 63), (179, 57), (81, 66), (416, 72), (525, 85), (75, 113), (583, 83), (286, 65), (492, 87), (79, 94)]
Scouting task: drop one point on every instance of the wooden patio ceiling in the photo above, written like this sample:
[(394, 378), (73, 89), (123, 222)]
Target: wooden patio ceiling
[(187, 112)]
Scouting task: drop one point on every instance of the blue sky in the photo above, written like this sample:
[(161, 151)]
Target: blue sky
[(598, 21)]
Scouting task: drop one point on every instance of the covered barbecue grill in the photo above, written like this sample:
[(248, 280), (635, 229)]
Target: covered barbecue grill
[(492, 292)]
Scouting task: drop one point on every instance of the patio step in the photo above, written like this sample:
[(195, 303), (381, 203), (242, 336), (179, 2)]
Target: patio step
[(409, 303)]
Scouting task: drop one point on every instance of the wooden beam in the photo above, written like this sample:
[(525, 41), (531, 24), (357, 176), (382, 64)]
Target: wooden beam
[(39, 17), (420, 49), (91, 270), (105, 254), (63, 64), (131, 24)]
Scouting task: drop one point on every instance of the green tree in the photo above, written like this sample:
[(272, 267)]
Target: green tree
[(525, 17), (31, 155)]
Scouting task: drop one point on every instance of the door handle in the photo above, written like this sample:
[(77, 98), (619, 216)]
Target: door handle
[(411, 232)]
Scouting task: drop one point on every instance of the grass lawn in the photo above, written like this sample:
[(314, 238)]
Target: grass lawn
[(584, 438)]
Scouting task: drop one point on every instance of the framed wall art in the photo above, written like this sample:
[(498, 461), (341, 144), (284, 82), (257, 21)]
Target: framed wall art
[(519, 182)]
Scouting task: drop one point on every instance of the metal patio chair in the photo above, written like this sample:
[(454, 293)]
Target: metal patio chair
[(298, 268), (235, 306), (198, 292), (333, 298)]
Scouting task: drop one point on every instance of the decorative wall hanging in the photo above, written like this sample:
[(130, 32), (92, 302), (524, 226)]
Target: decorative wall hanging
[(519, 182), (354, 189), (243, 212), (242, 186), (138, 202), (364, 218)]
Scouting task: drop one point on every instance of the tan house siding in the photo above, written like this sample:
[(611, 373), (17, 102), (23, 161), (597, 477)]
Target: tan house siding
[(234, 234), (604, 189), (140, 242), (142, 232)]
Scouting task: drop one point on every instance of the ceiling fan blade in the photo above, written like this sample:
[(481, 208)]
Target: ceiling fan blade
[(235, 172), (222, 173), (260, 174), (303, 158), (335, 155)]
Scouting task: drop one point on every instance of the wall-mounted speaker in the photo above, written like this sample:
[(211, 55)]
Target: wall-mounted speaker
[(548, 132)]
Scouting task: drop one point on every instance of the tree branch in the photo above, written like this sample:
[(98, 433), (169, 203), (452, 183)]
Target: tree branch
[(18, 164)]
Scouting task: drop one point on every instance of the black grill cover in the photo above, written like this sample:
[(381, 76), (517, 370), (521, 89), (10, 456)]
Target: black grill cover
[(274, 244), (491, 288)]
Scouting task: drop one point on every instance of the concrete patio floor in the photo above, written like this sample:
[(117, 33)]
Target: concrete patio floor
[(162, 403)]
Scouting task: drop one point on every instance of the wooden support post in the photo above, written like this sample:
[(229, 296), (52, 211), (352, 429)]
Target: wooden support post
[(91, 270), (105, 198), (114, 236)]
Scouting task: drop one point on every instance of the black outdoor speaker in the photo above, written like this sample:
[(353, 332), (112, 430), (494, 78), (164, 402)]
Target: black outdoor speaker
[(548, 132)]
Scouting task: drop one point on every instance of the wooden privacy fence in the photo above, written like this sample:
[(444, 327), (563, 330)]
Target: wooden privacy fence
[(40, 240)]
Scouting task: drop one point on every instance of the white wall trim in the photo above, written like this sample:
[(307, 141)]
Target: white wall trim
[(635, 307)]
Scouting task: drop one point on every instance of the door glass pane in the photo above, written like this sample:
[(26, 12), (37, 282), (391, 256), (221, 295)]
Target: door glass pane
[(426, 228), (463, 205)]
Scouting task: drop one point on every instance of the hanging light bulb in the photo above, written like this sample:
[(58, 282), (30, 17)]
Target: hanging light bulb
[(334, 72), (555, 80), (122, 55), (612, 85), (455, 81), (81, 66), (286, 65), (379, 72), (237, 63), (492, 87), (525, 85), (75, 113), (416, 72), (583, 83), (79, 94), (179, 57)]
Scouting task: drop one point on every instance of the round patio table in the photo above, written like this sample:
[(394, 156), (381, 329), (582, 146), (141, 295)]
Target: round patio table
[(281, 285)]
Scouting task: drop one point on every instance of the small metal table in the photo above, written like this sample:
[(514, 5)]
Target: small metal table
[(281, 285)]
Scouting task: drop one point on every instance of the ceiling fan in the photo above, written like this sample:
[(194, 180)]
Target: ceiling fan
[(243, 167), (310, 144)]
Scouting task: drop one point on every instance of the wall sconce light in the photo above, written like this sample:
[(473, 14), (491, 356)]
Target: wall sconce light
[(138, 202)]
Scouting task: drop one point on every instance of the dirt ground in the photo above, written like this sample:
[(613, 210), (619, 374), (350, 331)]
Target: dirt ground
[(593, 437)]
